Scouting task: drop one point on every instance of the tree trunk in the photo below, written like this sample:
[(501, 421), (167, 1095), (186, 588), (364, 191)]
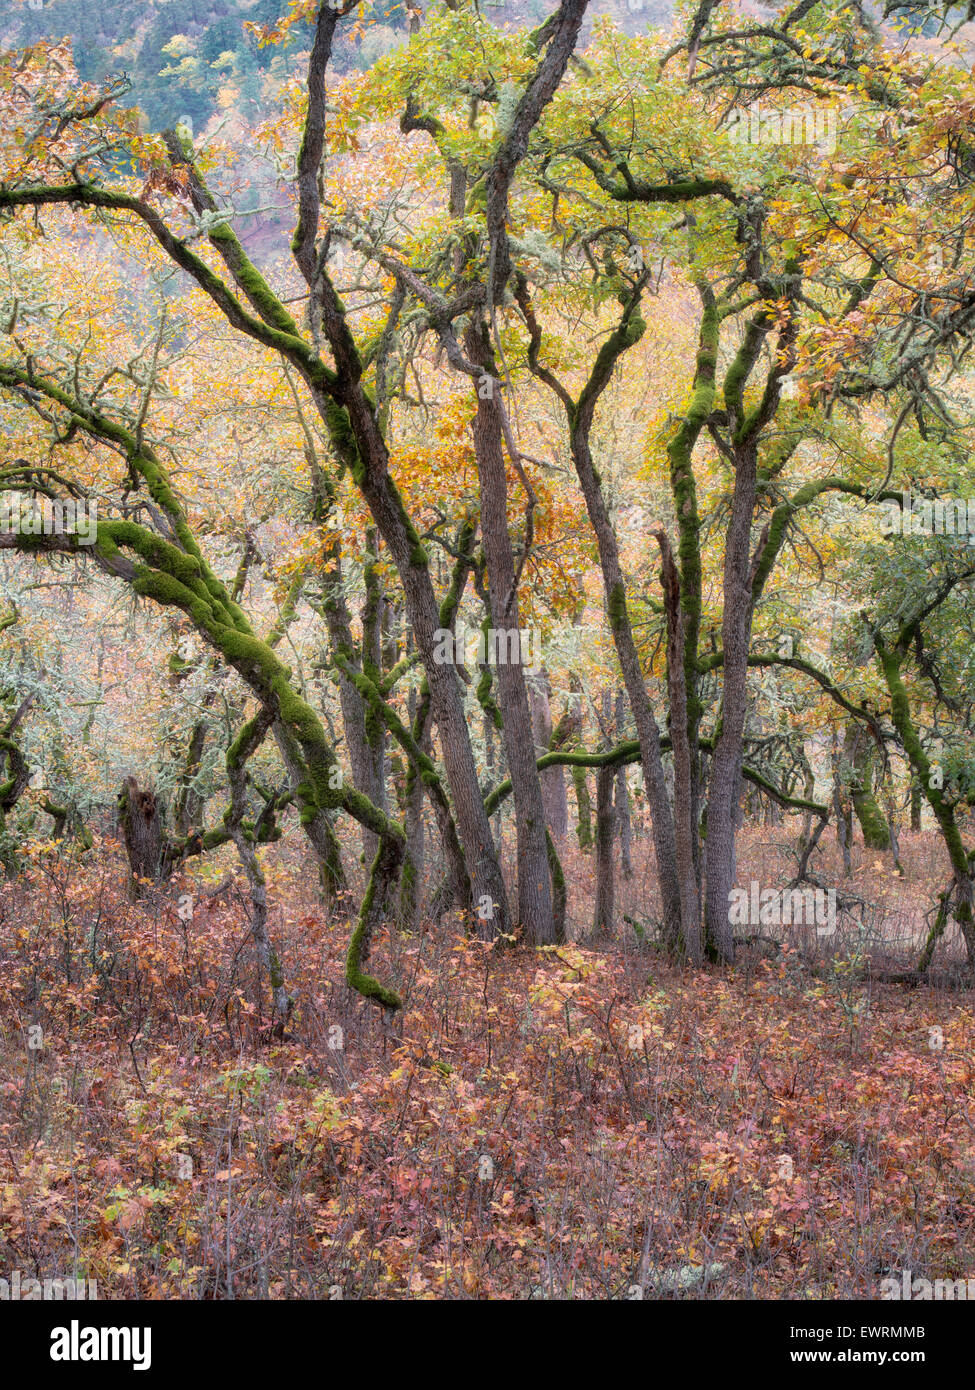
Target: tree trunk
[(842, 811), (372, 667), (353, 706), (188, 806), (604, 920), (365, 452), (725, 784), (943, 809), (495, 772), (583, 808), (859, 757), (684, 800), (11, 789), (569, 735), (142, 833), (654, 780), (242, 748), (534, 874), (317, 824), (411, 883), (622, 797), (553, 778)]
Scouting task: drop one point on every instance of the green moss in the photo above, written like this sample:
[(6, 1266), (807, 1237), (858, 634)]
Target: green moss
[(890, 662), (635, 329), (873, 823), (367, 985), (583, 808), (559, 890), (617, 606), (257, 289)]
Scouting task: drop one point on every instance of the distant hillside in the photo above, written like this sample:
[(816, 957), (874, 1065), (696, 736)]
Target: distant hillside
[(182, 55), (112, 36)]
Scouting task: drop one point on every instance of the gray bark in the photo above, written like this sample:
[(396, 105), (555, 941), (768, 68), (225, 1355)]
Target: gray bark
[(554, 796), (725, 783), (534, 878)]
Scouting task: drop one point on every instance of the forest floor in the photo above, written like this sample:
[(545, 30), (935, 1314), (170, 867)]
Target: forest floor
[(580, 1122)]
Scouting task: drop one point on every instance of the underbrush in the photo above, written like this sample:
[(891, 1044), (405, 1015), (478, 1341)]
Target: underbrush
[(565, 1123)]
